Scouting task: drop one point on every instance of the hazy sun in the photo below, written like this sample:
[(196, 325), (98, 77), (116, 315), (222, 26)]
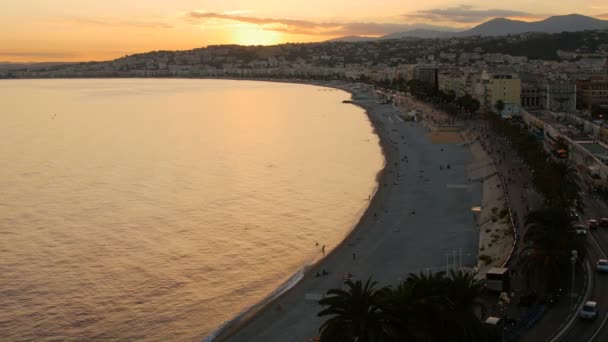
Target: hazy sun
[(254, 35)]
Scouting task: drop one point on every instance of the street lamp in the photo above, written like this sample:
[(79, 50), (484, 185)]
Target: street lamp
[(573, 261)]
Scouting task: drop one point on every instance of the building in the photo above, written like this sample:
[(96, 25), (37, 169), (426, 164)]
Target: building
[(531, 95), (505, 88), (593, 91), (560, 96), (452, 80), (426, 73), (531, 92)]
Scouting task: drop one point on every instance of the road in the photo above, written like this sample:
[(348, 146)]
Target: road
[(597, 246)]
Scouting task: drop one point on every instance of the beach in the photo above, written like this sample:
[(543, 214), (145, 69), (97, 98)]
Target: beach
[(418, 220)]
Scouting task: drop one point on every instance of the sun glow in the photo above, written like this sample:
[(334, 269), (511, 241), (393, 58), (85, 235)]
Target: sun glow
[(254, 35)]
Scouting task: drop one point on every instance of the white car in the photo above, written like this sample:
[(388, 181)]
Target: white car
[(580, 229), (589, 311), (601, 265)]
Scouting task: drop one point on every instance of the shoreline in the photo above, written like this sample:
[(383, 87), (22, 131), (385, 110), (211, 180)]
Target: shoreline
[(231, 327), (382, 238), (385, 120)]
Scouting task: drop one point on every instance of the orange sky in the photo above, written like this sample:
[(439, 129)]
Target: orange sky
[(68, 30)]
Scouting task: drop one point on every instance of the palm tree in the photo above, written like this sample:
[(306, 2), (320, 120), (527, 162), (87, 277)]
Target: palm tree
[(397, 313), (463, 291), (417, 309), (423, 308), (549, 243), (435, 307), (356, 315), (568, 190), (500, 105)]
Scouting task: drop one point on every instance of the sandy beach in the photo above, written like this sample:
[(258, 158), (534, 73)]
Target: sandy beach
[(420, 219)]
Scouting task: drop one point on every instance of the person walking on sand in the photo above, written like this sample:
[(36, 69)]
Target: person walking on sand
[(323, 249)]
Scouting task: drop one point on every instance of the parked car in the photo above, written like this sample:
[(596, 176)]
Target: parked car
[(604, 222), (592, 223), (589, 310), (601, 265)]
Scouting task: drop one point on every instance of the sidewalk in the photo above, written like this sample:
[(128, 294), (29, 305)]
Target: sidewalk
[(535, 324)]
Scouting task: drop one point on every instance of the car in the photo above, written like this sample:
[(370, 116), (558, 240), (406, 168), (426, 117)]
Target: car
[(589, 310), (604, 222), (580, 229), (601, 265), (592, 224)]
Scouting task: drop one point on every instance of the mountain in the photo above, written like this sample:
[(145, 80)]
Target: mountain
[(496, 27), (502, 27), (352, 39), (419, 34), (572, 22), (555, 24)]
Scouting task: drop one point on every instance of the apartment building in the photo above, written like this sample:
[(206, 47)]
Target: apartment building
[(593, 91)]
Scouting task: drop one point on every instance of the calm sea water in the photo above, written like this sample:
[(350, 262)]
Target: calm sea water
[(159, 209)]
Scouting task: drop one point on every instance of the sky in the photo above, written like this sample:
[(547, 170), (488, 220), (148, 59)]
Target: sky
[(95, 30)]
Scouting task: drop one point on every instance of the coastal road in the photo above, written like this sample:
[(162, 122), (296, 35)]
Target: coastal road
[(583, 330), (597, 248)]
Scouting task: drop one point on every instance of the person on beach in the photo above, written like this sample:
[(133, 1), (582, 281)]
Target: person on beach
[(323, 249)]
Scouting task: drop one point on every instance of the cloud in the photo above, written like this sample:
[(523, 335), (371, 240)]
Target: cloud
[(237, 12), (113, 22), (465, 14), (293, 26)]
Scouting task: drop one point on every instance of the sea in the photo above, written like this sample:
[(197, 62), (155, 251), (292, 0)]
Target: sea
[(161, 209)]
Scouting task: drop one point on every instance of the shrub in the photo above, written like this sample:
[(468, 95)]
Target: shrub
[(486, 259)]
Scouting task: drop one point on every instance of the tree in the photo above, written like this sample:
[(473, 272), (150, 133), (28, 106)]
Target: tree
[(558, 183), (435, 307), (500, 105), (549, 242), (429, 307), (464, 291), (355, 312), (423, 308), (467, 102)]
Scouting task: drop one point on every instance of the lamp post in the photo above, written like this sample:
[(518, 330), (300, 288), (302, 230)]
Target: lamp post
[(573, 261)]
